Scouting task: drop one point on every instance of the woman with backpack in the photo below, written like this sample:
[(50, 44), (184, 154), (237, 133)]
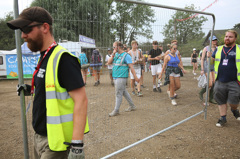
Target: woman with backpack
[(96, 64)]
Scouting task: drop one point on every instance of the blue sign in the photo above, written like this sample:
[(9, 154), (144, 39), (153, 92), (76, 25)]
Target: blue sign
[(86, 39), (29, 63)]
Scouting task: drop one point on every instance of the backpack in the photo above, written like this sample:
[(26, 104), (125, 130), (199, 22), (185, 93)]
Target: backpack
[(83, 59), (96, 58)]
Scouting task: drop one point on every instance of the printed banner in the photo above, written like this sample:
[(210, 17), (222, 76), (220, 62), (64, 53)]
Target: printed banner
[(29, 63)]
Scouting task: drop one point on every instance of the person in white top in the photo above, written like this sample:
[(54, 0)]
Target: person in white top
[(109, 65), (136, 60)]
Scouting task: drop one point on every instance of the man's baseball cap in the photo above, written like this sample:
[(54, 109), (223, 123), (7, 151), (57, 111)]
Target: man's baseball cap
[(29, 15), (109, 49), (213, 38), (194, 49)]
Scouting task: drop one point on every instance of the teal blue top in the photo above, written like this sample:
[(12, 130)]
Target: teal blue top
[(120, 65)]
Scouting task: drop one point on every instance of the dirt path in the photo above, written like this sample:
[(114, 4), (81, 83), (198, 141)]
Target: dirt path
[(196, 138)]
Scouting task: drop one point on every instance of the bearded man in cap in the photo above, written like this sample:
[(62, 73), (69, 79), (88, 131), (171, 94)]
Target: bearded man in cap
[(59, 115)]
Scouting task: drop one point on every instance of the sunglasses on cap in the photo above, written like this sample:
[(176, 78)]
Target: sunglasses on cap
[(27, 29)]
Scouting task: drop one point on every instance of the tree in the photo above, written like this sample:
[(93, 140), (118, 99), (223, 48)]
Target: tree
[(90, 18), (103, 20), (7, 36), (236, 26), (133, 20), (186, 30)]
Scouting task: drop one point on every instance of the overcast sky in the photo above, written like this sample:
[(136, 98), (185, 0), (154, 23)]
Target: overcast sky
[(226, 11)]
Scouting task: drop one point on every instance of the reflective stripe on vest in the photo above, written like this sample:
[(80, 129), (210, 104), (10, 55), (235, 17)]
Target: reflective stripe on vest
[(59, 105), (218, 60)]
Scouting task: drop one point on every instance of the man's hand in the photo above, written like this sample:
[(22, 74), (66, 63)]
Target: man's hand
[(76, 151), (137, 80), (209, 54), (160, 76), (25, 87)]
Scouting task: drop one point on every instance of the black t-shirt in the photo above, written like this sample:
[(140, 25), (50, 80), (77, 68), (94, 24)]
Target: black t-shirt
[(69, 76), (155, 53)]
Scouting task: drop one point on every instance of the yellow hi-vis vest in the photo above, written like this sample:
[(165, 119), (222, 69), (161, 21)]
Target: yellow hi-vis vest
[(218, 60), (59, 105)]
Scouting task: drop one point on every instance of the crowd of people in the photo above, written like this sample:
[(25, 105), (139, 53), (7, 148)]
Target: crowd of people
[(59, 116)]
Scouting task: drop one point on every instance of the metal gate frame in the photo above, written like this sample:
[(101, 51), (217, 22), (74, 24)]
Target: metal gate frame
[(206, 99)]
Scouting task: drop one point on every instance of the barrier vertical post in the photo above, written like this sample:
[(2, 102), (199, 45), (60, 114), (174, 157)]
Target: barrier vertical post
[(20, 80)]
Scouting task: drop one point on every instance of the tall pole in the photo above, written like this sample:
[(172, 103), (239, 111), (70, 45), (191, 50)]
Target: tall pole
[(20, 81)]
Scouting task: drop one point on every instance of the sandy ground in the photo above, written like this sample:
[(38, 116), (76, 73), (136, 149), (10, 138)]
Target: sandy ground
[(195, 138)]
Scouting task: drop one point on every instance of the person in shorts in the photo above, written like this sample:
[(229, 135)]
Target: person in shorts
[(156, 68), (172, 75), (97, 61), (136, 57), (194, 61), (227, 75)]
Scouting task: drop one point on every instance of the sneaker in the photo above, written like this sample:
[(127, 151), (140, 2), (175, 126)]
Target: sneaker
[(221, 122), (133, 93), (159, 90), (155, 90), (96, 84), (236, 114), (130, 109), (174, 102), (195, 74), (142, 86), (139, 94), (113, 113)]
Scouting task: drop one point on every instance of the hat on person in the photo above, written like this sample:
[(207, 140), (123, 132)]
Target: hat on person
[(109, 49), (194, 49), (213, 38), (29, 15)]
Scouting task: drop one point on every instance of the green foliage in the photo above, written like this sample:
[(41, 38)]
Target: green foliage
[(132, 20), (7, 36), (90, 18), (185, 31), (188, 32), (103, 20), (236, 26)]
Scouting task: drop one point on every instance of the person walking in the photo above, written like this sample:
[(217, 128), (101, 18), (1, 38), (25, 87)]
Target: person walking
[(156, 67), (96, 65), (136, 58), (84, 66), (204, 68), (181, 64), (172, 76), (122, 62), (59, 116), (227, 76), (109, 65), (194, 61)]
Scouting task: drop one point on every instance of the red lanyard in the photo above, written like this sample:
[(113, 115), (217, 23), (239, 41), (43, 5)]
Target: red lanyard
[(227, 52), (39, 64)]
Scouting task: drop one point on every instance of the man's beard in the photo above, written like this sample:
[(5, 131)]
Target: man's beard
[(35, 45), (228, 43)]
